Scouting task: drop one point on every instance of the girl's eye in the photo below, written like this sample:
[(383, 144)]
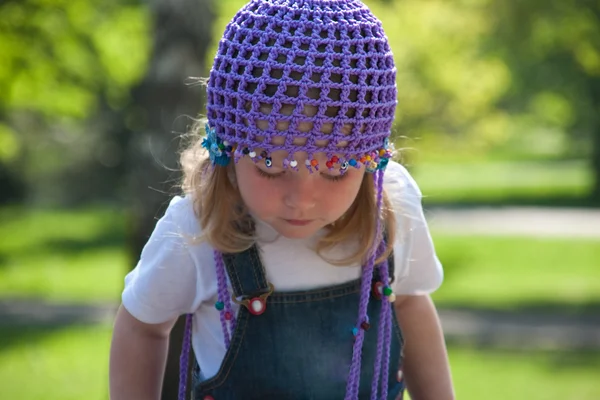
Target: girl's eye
[(269, 176), (333, 178)]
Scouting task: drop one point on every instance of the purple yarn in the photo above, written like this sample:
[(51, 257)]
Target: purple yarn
[(287, 55), (377, 367), (184, 359), (388, 310), (223, 296), (353, 383)]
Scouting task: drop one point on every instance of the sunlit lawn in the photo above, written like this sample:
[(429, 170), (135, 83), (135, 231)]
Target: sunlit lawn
[(62, 255), (72, 364), (496, 182), (504, 272)]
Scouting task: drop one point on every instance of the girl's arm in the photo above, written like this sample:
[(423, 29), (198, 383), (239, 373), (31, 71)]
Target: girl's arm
[(138, 356), (426, 367)]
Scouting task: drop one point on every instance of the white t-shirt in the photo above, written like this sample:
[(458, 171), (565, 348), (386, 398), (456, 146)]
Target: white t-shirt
[(175, 277)]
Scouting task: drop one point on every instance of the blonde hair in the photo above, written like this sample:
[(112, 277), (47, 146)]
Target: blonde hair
[(228, 227)]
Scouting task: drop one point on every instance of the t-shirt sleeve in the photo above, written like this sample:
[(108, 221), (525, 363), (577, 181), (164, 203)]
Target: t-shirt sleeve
[(163, 284), (417, 268)]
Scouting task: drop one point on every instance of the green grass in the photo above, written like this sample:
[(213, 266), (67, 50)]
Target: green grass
[(490, 374), (72, 363), (62, 255), (67, 364), (501, 181), (505, 272)]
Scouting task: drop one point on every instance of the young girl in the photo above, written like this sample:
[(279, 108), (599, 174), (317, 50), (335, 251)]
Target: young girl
[(295, 259)]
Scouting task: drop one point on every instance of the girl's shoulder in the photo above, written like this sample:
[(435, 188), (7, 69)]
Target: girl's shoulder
[(183, 225), (182, 215), (400, 186)]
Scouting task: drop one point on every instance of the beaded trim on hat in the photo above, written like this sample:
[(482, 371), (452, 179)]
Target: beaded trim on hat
[(318, 75)]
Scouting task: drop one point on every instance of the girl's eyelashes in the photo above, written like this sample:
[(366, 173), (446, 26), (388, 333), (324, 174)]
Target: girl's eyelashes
[(334, 178), (267, 175)]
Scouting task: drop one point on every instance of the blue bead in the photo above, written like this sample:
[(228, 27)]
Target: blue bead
[(352, 162), (355, 331)]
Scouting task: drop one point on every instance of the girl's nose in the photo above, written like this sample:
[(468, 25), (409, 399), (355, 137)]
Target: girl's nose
[(300, 194)]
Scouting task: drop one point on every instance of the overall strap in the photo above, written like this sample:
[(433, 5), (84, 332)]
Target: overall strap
[(246, 272)]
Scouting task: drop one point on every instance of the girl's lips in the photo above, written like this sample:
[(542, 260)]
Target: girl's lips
[(298, 222)]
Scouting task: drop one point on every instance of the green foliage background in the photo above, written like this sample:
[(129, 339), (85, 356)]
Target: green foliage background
[(477, 79)]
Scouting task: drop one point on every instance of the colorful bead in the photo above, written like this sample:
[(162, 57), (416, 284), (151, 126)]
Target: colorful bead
[(228, 315), (365, 325), (293, 163), (314, 162), (392, 298), (352, 162), (219, 305), (268, 162), (252, 154), (378, 290), (368, 158), (387, 291), (329, 164), (355, 331), (382, 153), (344, 166), (246, 151), (334, 159)]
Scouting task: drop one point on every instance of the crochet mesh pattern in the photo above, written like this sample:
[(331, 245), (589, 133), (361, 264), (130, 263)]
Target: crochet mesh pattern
[(318, 74)]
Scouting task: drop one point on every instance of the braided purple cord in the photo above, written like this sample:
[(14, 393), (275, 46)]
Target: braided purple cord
[(382, 325), (223, 296), (353, 383), (388, 310), (185, 356)]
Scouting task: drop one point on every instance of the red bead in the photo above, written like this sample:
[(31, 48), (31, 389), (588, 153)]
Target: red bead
[(378, 290), (365, 325), (228, 316), (314, 162), (329, 164), (335, 159)]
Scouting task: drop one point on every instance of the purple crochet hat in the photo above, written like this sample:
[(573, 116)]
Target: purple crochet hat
[(313, 76), (303, 75)]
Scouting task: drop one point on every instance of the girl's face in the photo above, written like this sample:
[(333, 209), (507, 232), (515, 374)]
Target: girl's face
[(296, 203)]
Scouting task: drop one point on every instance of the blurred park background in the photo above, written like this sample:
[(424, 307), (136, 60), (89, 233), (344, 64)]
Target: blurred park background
[(498, 119)]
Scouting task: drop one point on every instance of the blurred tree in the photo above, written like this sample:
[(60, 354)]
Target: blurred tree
[(60, 62), (552, 48), (511, 78), (160, 112)]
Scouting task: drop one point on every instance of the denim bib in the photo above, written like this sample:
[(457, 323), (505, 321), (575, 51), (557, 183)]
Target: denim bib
[(300, 347)]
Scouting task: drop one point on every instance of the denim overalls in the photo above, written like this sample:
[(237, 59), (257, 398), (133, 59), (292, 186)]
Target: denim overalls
[(301, 346)]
